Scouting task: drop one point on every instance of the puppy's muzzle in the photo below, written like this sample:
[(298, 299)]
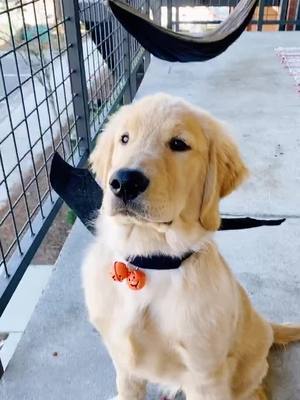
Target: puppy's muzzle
[(127, 184)]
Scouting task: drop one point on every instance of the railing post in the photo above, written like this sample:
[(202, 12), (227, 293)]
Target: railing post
[(261, 12), (77, 72), (169, 14), (156, 6), (291, 15), (147, 54), (283, 13), (1, 369), (127, 96), (297, 28)]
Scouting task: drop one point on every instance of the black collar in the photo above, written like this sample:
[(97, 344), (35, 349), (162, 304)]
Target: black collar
[(158, 261)]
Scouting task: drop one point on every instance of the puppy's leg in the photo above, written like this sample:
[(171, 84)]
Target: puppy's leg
[(130, 387), (208, 394), (214, 387)]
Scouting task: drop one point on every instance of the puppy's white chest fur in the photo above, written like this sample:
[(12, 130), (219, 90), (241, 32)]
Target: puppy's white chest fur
[(126, 307), (149, 330), (138, 327)]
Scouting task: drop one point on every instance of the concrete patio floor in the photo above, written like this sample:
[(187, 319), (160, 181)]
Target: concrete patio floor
[(61, 357)]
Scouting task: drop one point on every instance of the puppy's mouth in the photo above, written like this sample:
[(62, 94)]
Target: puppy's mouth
[(136, 213)]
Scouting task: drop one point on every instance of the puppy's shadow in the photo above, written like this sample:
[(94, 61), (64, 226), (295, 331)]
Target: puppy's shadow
[(282, 381)]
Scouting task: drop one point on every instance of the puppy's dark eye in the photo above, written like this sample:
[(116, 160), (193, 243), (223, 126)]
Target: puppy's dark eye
[(124, 138), (176, 144)]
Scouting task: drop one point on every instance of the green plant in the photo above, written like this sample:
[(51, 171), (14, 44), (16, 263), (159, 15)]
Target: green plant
[(70, 217)]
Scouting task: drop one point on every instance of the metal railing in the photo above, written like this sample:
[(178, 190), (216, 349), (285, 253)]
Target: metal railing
[(64, 66), (270, 14)]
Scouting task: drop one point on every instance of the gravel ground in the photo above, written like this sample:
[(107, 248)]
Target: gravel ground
[(54, 240)]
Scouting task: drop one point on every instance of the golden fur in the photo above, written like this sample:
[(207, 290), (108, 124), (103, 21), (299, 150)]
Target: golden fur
[(193, 328)]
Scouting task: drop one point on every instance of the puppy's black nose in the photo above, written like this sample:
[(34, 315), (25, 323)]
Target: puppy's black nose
[(127, 184)]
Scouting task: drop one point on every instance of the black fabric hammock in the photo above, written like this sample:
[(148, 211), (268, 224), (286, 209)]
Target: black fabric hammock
[(171, 46), (78, 188)]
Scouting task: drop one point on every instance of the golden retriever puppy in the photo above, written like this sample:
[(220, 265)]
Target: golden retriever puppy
[(164, 300)]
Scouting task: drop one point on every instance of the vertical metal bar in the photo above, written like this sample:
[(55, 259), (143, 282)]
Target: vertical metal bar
[(291, 15), (57, 30), (58, 10), (156, 6), (261, 11), (1, 369), (133, 82), (169, 14), (147, 61), (127, 97), (283, 13), (147, 54), (3, 261), (297, 27), (177, 18), (87, 16), (77, 72)]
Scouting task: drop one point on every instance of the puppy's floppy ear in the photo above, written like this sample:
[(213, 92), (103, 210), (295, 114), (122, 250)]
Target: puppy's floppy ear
[(225, 172), (100, 159)]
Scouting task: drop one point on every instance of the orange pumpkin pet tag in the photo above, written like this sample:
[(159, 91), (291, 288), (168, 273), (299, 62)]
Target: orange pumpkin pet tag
[(119, 271), (136, 279)]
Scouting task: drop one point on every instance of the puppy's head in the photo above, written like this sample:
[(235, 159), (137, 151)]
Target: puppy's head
[(161, 159)]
